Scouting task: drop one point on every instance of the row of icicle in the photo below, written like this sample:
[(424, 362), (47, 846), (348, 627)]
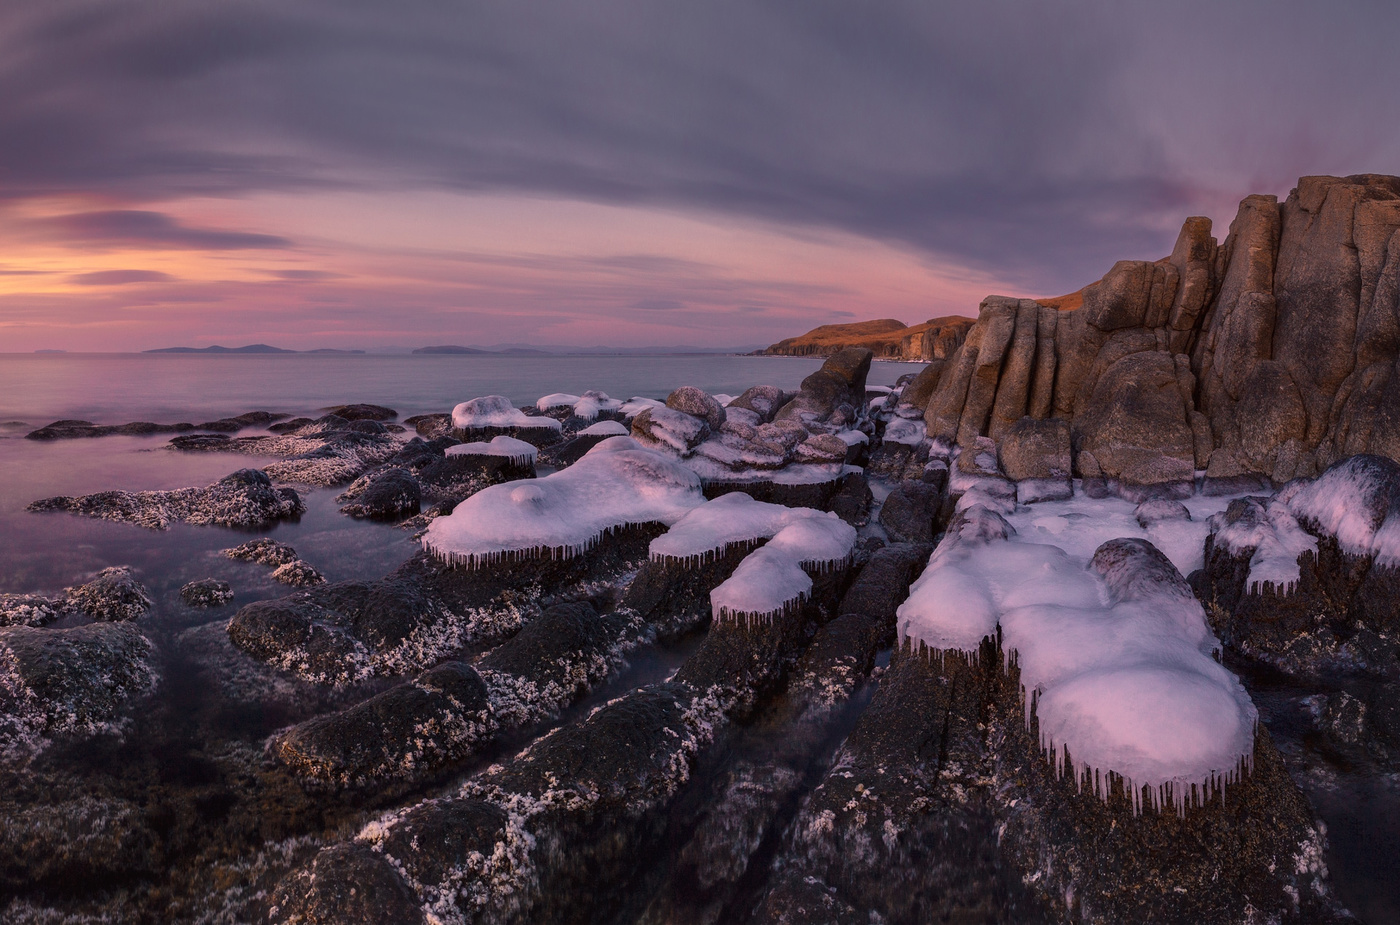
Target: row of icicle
[(1178, 795)]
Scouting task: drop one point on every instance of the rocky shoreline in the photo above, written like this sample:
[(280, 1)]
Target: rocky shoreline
[(980, 647)]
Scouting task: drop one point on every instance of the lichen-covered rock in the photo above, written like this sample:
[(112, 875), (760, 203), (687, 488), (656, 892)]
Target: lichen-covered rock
[(114, 595), (1136, 426), (263, 551), (245, 498), (207, 592), (68, 681), (423, 612), (414, 728), (386, 495)]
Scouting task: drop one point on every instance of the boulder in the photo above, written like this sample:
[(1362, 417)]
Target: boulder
[(669, 429), (1032, 449), (1136, 426), (391, 494), (697, 403), (910, 513), (763, 400), (363, 412)]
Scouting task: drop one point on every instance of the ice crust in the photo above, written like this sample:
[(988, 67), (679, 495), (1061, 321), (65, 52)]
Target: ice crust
[(774, 580), (1117, 658), (517, 451), (605, 429), (905, 432), (714, 527), (1271, 536), (636, 405), (1357, 501), (615, 484), (497, 411), (586, 406)]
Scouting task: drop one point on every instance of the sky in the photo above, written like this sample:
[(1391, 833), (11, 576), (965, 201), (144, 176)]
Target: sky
[(370, 174)]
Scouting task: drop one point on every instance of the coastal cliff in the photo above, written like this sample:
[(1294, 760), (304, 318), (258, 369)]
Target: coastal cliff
[(1266, 357), (935, 339)]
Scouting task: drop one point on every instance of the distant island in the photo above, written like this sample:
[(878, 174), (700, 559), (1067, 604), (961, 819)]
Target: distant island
[(250, 348)]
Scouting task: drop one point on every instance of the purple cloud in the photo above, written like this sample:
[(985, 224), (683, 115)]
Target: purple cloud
[(139, 228), (120, 277)]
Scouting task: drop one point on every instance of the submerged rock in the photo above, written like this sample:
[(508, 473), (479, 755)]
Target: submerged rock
[(207, 592), (245, 498)]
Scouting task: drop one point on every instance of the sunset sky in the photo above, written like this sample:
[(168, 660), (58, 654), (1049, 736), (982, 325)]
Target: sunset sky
[(379, 174)]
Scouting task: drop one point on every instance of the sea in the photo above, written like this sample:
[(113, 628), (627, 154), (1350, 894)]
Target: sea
[(47, 552), (43, 553)]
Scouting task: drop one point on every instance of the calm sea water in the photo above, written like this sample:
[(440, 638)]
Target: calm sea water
[(46, 552)]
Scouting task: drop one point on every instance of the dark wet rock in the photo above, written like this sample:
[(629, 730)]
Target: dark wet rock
[(70, 429), (363, 412), (388, 495), (61, 681), (422, 612), (763, 400), (897, 461), (241, 422), (288, 426), (556, 658), (573, 449), (431, 425), (911, 512), (901, 826), (347, 883), (411, 729), (817, 495), (852, 500), (245, 498), (201, 442), (114, 596), (207, 592), (674, 597)]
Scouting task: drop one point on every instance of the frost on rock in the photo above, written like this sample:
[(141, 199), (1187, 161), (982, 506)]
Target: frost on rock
[(494, 414), (1116, 659), (905, 431), (774, 580), (288, 567), (518, 452), (245, 498), (328, 451), (1357, 501), (616, 484), (1266, 532)]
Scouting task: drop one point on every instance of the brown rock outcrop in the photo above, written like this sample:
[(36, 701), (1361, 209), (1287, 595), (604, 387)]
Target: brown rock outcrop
[(1271, 355), (933, 341)]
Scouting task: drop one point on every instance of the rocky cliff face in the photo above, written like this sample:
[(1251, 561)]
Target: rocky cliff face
[(933, 341), (1269, 356)]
